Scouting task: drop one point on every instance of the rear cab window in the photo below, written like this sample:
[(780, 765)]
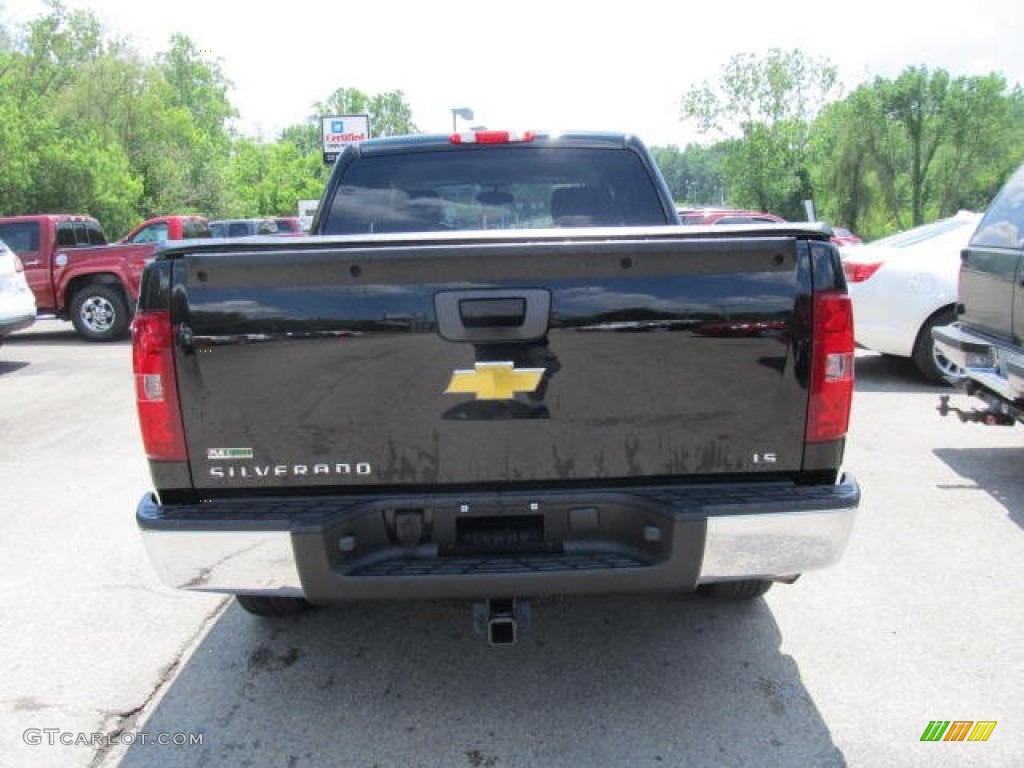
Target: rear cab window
[(494, 188), (21, 236)]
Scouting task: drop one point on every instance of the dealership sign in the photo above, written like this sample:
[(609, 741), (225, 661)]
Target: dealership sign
[(339, 130)]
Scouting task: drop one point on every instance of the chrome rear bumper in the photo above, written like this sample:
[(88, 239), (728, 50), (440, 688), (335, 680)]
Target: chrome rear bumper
[(989, 362), (673, 539)]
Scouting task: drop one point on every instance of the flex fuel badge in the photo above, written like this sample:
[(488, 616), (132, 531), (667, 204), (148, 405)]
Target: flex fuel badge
[(228, 454)]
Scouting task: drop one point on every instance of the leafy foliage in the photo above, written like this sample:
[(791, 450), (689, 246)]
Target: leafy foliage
[(890, 155), (268, 179), (695, 176), (898, 153), (88, 126), (769, 101)]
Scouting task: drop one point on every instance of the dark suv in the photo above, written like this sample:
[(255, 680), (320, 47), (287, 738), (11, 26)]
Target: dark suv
[(987, 341)]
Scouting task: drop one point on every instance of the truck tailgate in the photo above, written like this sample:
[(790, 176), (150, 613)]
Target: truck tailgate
[(433, 362)]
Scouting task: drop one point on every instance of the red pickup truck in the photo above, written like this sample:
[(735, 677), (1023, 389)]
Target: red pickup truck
[(76, 275)]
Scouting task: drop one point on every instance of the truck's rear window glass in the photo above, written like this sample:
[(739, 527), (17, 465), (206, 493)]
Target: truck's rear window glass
[(21, 236), (494, 188)]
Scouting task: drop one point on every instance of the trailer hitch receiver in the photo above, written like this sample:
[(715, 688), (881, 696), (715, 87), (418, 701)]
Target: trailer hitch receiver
[(501, 619)]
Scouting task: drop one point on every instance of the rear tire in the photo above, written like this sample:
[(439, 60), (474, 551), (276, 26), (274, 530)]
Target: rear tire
[(99, 312), (932, 365), (747, 589), (264, 605)]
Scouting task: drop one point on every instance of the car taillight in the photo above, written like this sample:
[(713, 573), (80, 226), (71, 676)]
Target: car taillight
[(831, 390), (492, 137), (858, 273), (156, 392)]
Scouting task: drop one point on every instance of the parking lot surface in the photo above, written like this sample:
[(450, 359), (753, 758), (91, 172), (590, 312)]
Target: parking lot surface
[(103, 666)]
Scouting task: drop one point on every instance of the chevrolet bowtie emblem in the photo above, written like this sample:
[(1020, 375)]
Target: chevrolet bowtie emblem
[(495, 381)]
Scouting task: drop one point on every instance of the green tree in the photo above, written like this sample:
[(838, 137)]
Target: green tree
[(54, 46), (390, 115), (197, 85), (270, 179), (95, 177), (985, 142), (90, 127), (197, 90), (765, 105), (844, 192), (55, 161), (304, 136), (898, 153), (695, 176), (17, 147)]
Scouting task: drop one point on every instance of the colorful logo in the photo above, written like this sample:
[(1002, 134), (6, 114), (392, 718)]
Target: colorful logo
[(958, 730), (337, 126)]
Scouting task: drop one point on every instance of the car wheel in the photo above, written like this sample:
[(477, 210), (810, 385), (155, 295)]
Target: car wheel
[(265, 605), (929, 361), (99, 312), (747, 589)]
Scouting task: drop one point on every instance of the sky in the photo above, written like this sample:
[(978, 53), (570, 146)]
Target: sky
[(559, 64)]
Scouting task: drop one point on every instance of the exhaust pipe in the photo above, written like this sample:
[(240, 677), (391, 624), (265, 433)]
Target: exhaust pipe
[(501, 620)]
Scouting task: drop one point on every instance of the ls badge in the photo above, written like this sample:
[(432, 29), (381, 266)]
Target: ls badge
[(495, 381)]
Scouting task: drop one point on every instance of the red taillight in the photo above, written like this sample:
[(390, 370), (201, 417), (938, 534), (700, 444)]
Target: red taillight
[(858, 273), (492, 137), (831, 390), (156, 393)]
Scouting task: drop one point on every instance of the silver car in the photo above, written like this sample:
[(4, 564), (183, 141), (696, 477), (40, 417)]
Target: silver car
[(904, 285)]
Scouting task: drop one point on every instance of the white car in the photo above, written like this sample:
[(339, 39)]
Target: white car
[(904, 285), (17, 304)]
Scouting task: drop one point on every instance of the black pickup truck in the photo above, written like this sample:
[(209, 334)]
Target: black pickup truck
[(987, 341), (498, 369)]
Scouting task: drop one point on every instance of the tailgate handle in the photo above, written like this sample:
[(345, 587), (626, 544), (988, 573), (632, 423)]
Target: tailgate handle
[(493, 314)]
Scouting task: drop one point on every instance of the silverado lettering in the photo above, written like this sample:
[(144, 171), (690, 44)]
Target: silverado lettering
[(294, 470), (552, 386)]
